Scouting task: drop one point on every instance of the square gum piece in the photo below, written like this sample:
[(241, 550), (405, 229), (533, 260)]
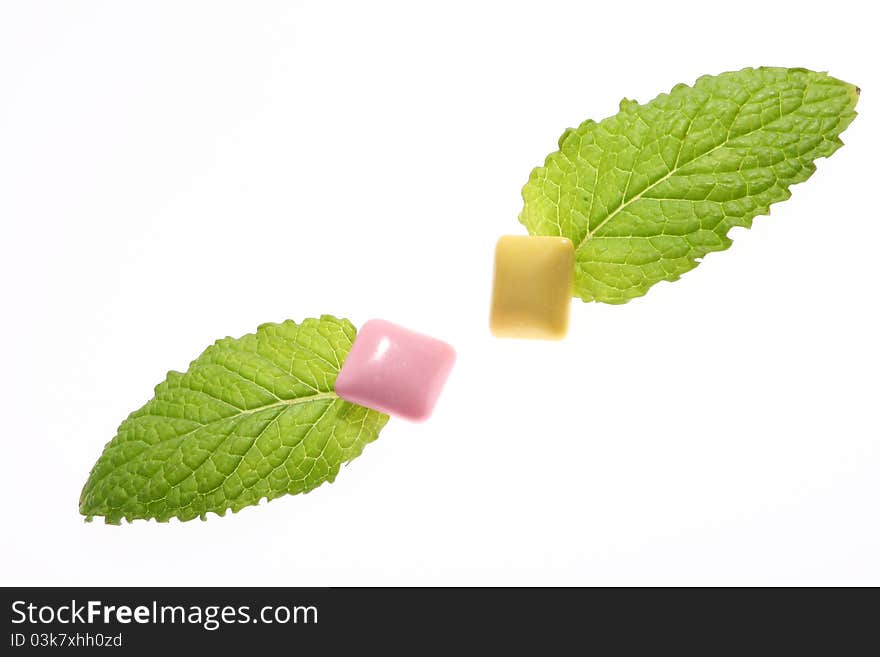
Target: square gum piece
[(394, 370), (531, 293)]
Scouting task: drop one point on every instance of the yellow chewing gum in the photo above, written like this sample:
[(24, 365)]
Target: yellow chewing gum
[(531, 293)]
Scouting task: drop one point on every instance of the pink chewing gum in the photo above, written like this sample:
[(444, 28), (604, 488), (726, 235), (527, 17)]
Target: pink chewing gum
[(394, 370)]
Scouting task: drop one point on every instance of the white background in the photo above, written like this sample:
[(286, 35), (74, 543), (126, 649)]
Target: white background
[(171, 173)]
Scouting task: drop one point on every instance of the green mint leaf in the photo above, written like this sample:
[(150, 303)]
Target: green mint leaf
[(645, 194), (252, 418)]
